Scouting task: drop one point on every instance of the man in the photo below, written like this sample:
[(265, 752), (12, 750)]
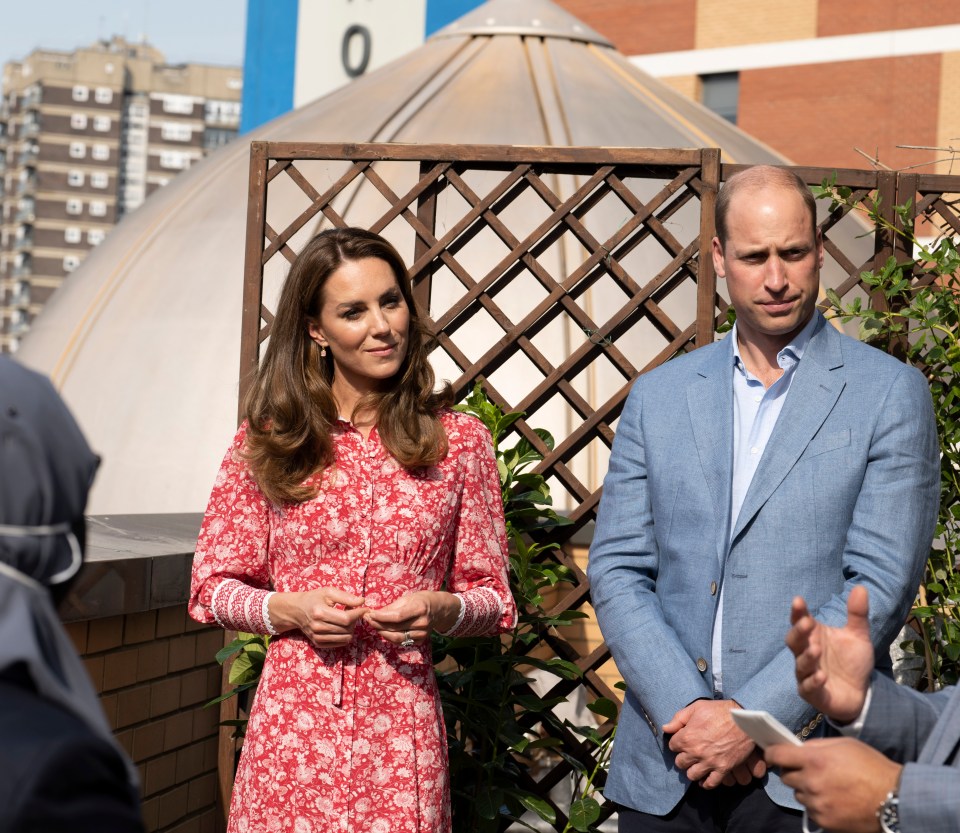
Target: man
[(786, 458), (845, 784), (62, 769)]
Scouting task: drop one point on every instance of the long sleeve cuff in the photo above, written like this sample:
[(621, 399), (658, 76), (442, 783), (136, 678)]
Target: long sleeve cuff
[(480, 612), (852, 730), (237, 606)]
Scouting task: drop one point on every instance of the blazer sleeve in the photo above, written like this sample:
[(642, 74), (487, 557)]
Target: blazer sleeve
[(231, 584), (623, 569), (887, 541)]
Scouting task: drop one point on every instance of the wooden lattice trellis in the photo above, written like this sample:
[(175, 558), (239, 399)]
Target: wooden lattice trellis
[(586, 267)]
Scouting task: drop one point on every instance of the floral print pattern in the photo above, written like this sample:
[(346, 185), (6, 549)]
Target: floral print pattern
[(352, 738)]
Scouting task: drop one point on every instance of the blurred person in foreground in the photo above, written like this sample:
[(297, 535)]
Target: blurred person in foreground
[(898, 769), (354, 515), (62, 769)]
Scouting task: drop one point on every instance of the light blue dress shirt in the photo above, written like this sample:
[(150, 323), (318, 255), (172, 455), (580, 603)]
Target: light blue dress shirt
[(755, 413)]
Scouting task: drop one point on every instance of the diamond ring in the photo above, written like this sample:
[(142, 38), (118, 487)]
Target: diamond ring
[(407, 640)]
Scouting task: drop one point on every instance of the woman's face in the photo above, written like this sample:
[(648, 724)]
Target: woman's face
[(364, 322)]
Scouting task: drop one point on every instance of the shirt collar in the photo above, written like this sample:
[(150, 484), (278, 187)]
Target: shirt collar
[(794, 349)]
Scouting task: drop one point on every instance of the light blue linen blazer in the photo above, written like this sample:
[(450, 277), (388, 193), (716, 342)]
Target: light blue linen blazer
[(846, 493)]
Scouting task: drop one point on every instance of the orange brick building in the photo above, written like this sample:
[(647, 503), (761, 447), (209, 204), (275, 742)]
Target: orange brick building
[(814, 79)]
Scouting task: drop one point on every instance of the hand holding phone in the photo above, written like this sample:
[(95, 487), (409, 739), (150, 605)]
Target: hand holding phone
[(763, 728)]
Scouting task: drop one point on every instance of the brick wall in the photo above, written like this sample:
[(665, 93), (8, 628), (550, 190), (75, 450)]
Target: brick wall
[(872, 105), (154, 671), (854, 16), (639, 26), (736, 22), (948, 123)]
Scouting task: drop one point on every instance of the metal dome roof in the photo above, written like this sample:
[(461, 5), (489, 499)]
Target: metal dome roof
[(143, 338)]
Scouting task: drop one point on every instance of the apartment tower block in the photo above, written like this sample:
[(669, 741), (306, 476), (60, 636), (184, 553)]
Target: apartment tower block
[(85, 137)]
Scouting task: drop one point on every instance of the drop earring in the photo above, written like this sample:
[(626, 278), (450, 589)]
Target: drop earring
[(323, 351)]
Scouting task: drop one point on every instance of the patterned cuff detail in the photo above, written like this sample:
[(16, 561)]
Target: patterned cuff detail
[(463, 606), (266, 615), (481, 612), (237, 606)]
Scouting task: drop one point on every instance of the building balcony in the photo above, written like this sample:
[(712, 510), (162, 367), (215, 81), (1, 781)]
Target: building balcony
[(29, 129), (28, 156), (26, 213), (24, 270), (23, 242), (26, 186), (20, 297)]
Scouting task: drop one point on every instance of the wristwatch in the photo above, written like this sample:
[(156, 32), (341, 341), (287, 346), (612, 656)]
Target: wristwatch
[(889, 813)]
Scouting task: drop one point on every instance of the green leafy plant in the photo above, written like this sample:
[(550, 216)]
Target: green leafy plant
[(919, 320), (249, 650), (493, 716), (585, 809)]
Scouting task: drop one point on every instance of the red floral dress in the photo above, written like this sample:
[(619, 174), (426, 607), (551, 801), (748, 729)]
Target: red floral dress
[(352, 738)]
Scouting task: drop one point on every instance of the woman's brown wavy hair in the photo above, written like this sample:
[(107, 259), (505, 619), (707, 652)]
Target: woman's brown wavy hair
[(290, 408)]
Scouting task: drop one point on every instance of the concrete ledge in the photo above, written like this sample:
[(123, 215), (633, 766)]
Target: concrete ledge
[(134, 563)]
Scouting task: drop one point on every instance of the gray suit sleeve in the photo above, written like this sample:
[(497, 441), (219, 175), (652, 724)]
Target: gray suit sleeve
[(930, 799), (900, 720), (903, 723)]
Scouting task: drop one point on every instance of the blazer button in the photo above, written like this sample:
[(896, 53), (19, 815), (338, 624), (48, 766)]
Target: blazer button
[(713, 588), (701, 665)]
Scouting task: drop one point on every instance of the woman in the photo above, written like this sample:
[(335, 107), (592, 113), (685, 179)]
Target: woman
[(350, 496)]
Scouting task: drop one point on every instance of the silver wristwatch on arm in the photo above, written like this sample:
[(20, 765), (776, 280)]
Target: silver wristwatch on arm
[(888, 813)]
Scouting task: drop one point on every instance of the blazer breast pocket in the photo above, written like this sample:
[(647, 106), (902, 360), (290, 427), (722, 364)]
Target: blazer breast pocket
[(832, 441)]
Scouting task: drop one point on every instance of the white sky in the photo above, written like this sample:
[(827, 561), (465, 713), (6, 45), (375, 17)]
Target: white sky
[(201, 31)]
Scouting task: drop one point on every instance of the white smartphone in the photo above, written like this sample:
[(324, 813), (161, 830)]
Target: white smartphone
[(763, 728)]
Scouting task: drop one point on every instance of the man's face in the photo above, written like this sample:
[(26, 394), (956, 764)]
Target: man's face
[(771, 262)]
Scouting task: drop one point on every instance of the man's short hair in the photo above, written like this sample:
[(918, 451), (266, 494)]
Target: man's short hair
[(757, 177)]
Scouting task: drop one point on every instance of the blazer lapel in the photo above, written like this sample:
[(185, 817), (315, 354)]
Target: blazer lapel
[(943, 740), (813, 394), (710, 402)]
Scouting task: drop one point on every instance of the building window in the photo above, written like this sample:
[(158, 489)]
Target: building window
[(98, 208), (80, 93), (100, 152), (172, 159), (78, 121), (214, 137), (75, 178), (173, 132), (138, 111), (101, 123), (78, 150), (721, 93), (70, 262), (71, 234), (74, 207), (103, 95), (182, 104), (95, 236), (99, 179)]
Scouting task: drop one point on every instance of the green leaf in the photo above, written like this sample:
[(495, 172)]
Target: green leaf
[(246, 667), (583, 813), (604, 707), (536, 805), (489, 803)]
